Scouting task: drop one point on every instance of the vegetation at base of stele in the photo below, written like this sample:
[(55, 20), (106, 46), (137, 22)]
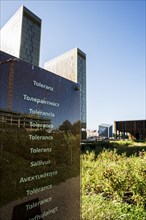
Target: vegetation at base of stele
[(114, 182)]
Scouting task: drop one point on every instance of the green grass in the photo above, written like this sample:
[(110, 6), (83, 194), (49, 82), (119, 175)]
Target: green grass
[(127, 147), (95, 207), (113, 185)]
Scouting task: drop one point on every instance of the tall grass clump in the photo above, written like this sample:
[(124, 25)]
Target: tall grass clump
[(113, 186)]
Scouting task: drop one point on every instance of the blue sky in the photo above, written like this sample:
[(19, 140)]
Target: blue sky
[(112, 34)]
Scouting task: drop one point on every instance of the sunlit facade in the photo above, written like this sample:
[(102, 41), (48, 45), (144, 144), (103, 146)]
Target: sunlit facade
[(20, 36), (72, 65)]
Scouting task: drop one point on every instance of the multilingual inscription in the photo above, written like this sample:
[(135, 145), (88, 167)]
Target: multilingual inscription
[(39, 150), (39, 203), (40, 138), (41, 113), (37, 190), (37, 177), (43, 86), (39, 163), (39, 125), (40, 101), (46, 213)]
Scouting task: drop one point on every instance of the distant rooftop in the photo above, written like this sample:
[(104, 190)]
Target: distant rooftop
[(80, 52), (131, 120), (105, 125), (31, 14)]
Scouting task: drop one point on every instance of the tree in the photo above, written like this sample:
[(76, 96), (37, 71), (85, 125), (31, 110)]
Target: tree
[(66, 126)]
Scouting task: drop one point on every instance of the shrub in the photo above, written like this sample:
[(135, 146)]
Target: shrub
[(115, 182)]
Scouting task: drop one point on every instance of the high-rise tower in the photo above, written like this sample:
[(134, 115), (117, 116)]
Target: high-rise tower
[(21, 35), (72, 65)]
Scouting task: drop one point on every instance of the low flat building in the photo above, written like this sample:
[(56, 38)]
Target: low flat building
[(135, 129)]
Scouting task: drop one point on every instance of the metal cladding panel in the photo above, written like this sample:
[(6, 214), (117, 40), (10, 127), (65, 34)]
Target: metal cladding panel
[(40, 143), (137, 128)]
